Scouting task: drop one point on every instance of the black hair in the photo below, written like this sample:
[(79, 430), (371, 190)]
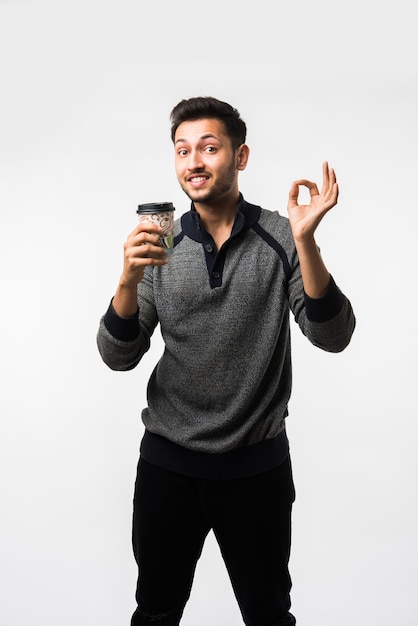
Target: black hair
[(207, 107)]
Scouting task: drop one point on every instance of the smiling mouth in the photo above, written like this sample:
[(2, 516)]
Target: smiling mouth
[(197, 179)]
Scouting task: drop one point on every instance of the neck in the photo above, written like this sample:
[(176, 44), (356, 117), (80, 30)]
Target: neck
[(218, 219), (220, 212)]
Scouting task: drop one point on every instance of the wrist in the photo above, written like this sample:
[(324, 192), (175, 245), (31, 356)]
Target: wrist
[(130, 280), (125, 300), (306, 245), (315, 276)]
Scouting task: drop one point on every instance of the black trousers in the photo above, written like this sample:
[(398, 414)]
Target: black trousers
[(251, 520)]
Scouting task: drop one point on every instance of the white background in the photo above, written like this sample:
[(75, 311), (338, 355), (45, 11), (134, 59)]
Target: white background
[(86, 91)]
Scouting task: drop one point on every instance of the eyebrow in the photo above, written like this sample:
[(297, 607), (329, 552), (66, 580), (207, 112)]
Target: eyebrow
[(206, 136)]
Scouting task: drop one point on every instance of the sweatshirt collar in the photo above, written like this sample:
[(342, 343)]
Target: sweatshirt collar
[(247, 214)]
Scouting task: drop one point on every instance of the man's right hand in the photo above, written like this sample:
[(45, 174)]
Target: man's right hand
[(141, 248)]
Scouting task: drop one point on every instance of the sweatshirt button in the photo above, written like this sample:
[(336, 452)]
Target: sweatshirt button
[(208, 248), (215, 274)]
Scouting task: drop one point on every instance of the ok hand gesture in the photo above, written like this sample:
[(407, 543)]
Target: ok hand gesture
[(304, 218)]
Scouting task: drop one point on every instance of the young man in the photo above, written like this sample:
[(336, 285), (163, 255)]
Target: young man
[(215, 453)]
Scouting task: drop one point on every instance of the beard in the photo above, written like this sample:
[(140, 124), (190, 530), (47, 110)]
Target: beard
[(220, 187)]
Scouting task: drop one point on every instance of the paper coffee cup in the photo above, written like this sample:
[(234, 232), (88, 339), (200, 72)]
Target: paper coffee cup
[(161, 213)]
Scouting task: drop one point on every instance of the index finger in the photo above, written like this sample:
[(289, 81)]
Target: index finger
[(313, 187), (147, 226)]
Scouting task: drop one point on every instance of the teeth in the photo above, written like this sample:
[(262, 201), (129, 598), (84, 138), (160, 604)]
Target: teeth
[(197, 179)]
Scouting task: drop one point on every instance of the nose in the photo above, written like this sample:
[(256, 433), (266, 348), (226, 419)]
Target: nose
[(195, 161)]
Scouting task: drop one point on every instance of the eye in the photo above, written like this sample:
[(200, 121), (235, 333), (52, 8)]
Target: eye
[(182, 152), (210, 149)]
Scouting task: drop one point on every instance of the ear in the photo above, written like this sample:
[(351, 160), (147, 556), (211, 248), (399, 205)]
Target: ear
[(242, 154)]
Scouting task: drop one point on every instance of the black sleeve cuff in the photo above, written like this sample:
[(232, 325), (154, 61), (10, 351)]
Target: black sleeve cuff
[(325, 308), (122, 328)]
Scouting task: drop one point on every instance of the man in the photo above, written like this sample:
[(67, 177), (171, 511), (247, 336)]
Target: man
[(215, 453)]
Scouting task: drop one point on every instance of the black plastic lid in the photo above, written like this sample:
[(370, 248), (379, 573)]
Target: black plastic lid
[(155, 207)]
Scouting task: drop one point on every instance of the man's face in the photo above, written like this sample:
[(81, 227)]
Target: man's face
[(206, 164)]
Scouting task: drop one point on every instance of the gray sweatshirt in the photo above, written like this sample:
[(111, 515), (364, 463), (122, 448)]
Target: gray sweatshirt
[(224, 380)]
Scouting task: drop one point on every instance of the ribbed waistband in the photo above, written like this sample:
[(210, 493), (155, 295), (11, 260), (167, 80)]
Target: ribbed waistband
[(237, 463)]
